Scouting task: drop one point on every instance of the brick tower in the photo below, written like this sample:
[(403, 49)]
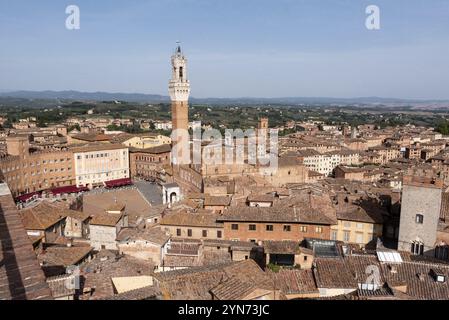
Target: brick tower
[(179, 89)]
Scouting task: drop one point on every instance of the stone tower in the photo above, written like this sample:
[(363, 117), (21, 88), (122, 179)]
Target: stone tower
[(179, 90), (263, 123), (420, 213)]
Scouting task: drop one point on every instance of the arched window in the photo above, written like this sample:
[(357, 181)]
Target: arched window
[(417, 248)]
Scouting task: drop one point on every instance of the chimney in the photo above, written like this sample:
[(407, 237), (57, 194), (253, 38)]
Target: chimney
[(393, 269)]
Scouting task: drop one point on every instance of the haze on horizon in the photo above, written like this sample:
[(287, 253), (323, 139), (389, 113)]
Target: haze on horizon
[(282, 48)]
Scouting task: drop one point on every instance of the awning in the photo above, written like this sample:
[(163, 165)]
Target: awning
[(118, 183), (68, 189), (28, 196)]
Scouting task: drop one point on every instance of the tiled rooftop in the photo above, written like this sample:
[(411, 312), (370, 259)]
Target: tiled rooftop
[(21, 277)]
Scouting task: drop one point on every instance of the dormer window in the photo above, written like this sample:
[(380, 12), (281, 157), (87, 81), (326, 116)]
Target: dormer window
[(438, 275)]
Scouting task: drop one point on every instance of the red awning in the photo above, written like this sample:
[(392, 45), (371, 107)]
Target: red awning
[(28, 196), (68, 189), (118, 183)]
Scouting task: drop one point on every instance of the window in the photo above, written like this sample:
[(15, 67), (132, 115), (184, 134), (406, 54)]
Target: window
[(253, 240), (347, 224), (189, 232), (359, 225), (252, 227), (178, 232), (346, 235), (417, 248), (234, 226), (303, 228), (319, 229), (305, 258), (219, 234), (204, 233), (287, 228), (334, 235), (359, 237), (419, 218), (269, 227)]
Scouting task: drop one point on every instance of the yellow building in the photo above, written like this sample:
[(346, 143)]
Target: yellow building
[(98, 163), (357, 226), (147, 141)]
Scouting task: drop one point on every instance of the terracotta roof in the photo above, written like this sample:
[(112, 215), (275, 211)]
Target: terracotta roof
[(196, 283), (136, 206), (154, 235), (276, 214), (294, 281), (285, 247), (78, 215), (418, 278), (210, 257), (181, 261), (217, 201), (42, 216), (333, 273), (107, 265), (164, 148), (106, 219), (233, 289), (269, 197), (444, 214), (63, 256), (116, 207), (359, 214), (191, 219), (20, 274), (92, 137)]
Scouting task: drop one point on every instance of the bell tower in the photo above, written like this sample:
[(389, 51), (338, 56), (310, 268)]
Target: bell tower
[(179, 90)]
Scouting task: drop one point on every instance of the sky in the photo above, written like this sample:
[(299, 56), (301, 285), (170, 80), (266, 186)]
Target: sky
[(235, 48)]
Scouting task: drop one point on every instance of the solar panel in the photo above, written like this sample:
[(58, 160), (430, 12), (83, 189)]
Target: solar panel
[(389, 256)]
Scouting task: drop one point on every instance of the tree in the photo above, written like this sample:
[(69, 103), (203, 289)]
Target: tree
[(41, 123), (443, 127), (75, 126), (113, 127)]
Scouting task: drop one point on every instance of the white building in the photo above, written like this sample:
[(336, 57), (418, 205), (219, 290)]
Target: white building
[(325, 163), (163, 125), (96, 164)]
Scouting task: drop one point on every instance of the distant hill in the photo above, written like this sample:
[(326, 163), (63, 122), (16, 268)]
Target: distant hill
[(90, 96), (154, 98)]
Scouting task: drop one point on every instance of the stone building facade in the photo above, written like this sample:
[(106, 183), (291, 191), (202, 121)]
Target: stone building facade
[(420, 213), (95, 164), (148, 163), (27, 172)]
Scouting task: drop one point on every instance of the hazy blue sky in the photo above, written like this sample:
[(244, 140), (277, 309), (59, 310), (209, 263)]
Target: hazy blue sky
[(235, 47)]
